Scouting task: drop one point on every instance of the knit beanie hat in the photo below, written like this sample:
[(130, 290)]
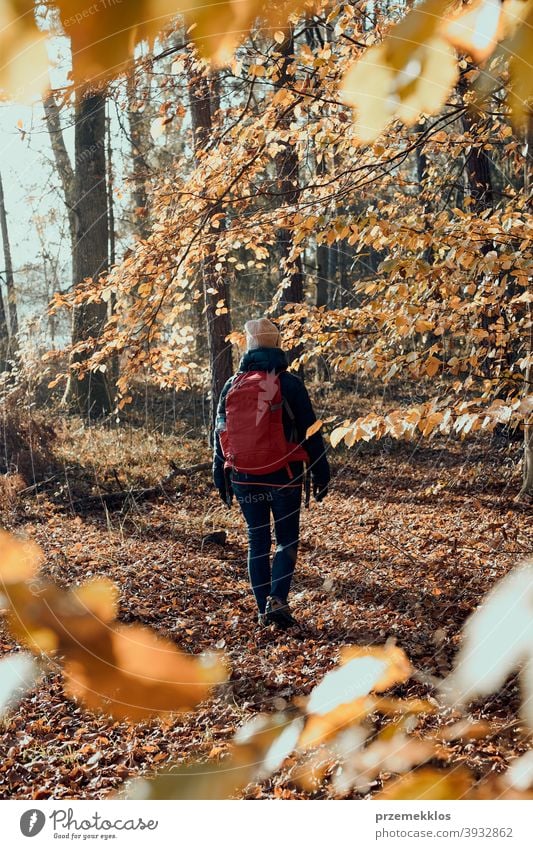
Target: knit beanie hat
[(261, 333)]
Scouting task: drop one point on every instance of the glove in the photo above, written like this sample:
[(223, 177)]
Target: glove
[(319, 491)]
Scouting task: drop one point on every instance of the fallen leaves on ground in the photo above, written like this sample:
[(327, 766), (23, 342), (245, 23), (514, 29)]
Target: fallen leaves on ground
[(403, 548)]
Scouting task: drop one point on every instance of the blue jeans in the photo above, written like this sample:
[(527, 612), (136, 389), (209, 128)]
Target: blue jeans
[(257, 503)]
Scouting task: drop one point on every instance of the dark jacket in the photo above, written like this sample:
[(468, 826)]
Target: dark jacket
[(296, 395)]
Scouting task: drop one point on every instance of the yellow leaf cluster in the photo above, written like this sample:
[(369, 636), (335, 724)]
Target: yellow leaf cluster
[(463, 418)]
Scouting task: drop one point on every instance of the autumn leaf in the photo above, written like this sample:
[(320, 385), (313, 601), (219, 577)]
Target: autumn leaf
[(314, 428), (410, 73), (258, 748), (103, 43), (338, 434), (520, 50), (341, 698), (520, 773), (45, 618), (403, 706), (475, 30), (127, 670), (414, 30), (24, 71), (428, 784), (100, 597), (19, 559), (432, 366), (319, 728), (18, 673), (373, 104), (391, 751), (396, 665), (135, 674), (498, 638), (427, 425), (196, 781)]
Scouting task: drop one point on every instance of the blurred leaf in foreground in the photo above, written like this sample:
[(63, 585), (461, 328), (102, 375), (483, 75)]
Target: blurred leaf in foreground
[(341, 698), (138, 675), (411, 72), (429, 783), (520, 51), (475, 28), (19, 672), (259, 748), (127, 670), (24, 66), (19, 559), (497, 640)]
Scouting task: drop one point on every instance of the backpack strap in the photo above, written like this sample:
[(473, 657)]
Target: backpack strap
[(294, 438), (288, 410), (220, 419)]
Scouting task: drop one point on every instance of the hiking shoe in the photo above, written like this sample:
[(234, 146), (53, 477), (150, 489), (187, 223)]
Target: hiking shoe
[(278, 612)]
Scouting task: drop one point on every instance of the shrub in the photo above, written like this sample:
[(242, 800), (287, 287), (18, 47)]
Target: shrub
[(26, 439)]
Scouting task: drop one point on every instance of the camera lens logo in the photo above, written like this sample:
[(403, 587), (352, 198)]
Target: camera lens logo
[(32, 822)]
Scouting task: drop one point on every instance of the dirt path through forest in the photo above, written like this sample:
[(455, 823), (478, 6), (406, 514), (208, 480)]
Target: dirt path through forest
[(404, 547)]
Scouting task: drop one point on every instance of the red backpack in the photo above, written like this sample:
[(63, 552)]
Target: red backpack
[(254, 439)]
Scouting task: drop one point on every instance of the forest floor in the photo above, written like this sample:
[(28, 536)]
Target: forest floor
[(408, 541)]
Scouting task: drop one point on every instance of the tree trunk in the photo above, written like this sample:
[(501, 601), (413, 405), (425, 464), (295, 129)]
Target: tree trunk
[(345, 255), (139, 138), (90, 255), (114, 364), (8, 272), (478, 173), (526, 491), (62, 160), (322, 275), (481, 191), (477, 162), (215, 287), (422, 174), (66, 176), (110, 195), (288, 187), (333, 264), (4, 335), (321, 252)]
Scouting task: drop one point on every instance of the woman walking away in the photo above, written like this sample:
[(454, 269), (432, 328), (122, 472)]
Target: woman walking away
[(261, 455)]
